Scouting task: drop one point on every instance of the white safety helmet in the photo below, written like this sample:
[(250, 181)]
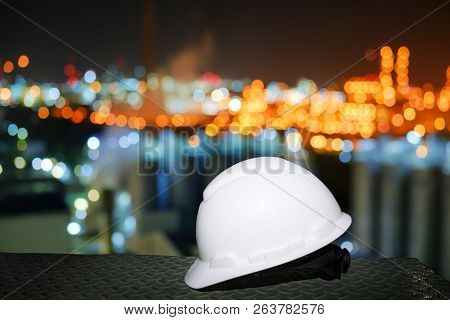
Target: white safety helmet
[(258, 214)]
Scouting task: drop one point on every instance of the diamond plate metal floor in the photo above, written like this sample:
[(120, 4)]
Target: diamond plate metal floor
[(159, 277)]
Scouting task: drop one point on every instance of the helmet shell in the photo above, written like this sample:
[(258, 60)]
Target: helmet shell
[(258, 214)]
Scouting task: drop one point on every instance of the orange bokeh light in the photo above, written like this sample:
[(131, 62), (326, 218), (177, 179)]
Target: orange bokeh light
[(67, 112), (178, 120), (194, 141), (121, 120), (162, 120), (43, 112), (77, 116), (8, 67), (23, 61), (100, 118), (92, 117), (110, 119), (140, 123), (397, 120), (439, 123)]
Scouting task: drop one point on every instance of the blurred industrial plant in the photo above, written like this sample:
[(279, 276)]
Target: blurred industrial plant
[(115, 159)]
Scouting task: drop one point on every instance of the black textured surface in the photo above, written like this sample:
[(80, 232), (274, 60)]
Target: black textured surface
[(158, 277)]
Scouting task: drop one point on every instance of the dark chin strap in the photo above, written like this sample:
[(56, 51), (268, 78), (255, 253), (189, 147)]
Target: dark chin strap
[(327, 263)]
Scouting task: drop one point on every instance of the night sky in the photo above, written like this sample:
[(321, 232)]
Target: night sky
[(272, 40)]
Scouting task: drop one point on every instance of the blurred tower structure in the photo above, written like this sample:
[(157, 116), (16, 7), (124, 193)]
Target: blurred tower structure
[(445, 229), (363, 207), (392, 211), (400, 202), (422, 233)]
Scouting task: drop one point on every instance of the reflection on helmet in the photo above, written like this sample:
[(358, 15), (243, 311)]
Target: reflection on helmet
[(261, 213)]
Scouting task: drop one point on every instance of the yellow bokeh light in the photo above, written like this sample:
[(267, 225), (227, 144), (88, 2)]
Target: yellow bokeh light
[(235, 127), (439, 123), (5, 94), (35, 91), (360, 97), (336, 144), (428, 99), (366, 130), (211, 130), (389, 93), (409, 114), (420, 129), (318, 142), (93, 195)]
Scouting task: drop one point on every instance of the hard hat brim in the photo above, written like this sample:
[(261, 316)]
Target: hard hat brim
[(201, 275)]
